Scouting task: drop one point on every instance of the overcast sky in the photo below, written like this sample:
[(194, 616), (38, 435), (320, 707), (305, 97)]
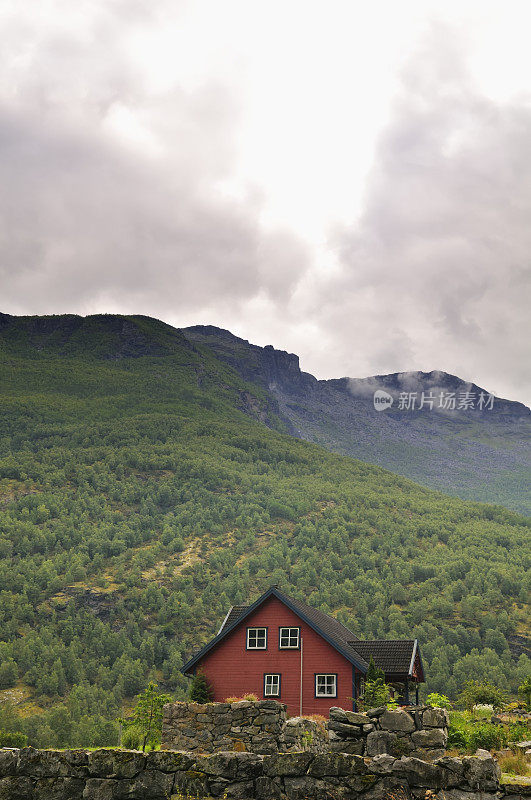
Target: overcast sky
[(346, 180)]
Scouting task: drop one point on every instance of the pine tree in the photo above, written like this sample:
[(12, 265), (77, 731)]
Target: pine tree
[(200, 691), (8, 674), (374, 672)]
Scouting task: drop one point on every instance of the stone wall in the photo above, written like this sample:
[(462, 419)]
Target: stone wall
[(263, 727), (420, 731), (300, 733), (30, 774), (257, 727)]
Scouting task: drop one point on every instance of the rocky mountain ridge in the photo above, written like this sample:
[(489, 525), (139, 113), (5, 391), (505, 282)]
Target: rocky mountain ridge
[(476, 453)]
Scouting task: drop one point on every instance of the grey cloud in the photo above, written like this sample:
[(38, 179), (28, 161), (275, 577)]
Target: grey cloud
[(436, 273), (88, 221)]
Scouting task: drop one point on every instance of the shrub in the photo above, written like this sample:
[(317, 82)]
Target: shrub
[(519, 731), (481, 693), (487, 737), (306, 739), (132, 738), (13, 739), (252, 698), (438, 700), (467, 733), (524, 691), (8, 674), (200, 690), (457, 738), (377, 693)]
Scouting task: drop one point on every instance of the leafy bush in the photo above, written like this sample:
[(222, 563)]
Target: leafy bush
[(481, 693), (487, 737), (467, 732), (8, 674), (457, 738), (524, 691), (519, 731), (13, 739), (132, 738), (438, 700)]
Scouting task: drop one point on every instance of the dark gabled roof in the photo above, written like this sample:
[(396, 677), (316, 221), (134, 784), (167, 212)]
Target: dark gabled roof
[(394, 656), (324, 621), (329, 628), (234, 613)]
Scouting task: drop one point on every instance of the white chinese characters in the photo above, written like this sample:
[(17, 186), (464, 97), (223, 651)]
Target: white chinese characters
[(445, 401)]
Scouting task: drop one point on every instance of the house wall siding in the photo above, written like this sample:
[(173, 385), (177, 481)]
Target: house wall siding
[(233, 671)]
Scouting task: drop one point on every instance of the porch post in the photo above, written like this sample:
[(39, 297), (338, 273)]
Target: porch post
[(416, 694), (300, 697)]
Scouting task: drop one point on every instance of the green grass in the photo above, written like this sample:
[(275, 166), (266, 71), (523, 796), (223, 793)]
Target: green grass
[(470, 730)]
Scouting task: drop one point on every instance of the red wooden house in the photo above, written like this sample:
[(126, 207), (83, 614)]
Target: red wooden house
[(281, 648)]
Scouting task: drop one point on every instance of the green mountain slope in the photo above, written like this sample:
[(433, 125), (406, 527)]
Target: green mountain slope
[(476, 454), (141, 495)]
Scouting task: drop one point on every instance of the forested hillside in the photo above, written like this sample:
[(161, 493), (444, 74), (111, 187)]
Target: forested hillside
[(481, 454), (141, 496)]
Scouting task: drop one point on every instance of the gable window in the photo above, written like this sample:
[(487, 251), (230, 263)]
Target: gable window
[(326, 685), (289, 638), (272, 685), (256, 638)]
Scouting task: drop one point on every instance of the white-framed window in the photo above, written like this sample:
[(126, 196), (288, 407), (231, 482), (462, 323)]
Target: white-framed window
[(289, 638), (272, 685), (256, 638), (326, 685)]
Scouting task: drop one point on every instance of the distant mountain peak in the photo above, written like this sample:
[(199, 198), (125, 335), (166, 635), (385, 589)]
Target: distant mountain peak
[(476, 453)]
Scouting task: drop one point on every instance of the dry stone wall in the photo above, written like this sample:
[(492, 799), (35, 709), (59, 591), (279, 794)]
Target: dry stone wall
[(263, 727), (30, 774), (257, 727), (421, 731)]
